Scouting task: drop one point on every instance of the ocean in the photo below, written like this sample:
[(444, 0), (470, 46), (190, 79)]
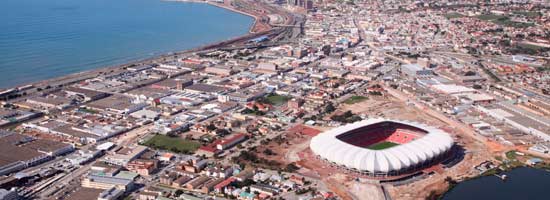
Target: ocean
[(41, 39)]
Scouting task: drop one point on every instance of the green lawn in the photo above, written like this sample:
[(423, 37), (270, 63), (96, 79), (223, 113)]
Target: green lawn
[(511, 155), (510, 23), (528, 13), (382, 145), (355, 99), (275, 99), (490, 17), (86, 110), (174, 144), (529, 49), (530, 46), (504, 21), (453, 15)]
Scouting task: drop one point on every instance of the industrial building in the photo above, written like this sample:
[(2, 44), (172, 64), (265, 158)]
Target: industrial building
[(416, 71), (20, 151)]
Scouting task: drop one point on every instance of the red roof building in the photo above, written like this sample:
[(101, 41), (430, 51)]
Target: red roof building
[(222, 185)]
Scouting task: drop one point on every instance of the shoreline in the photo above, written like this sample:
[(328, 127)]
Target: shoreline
[(223, 6), (452, 185), (254, 23), (72, 78)]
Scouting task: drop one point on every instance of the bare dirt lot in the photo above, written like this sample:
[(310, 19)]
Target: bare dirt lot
[(286, 148)]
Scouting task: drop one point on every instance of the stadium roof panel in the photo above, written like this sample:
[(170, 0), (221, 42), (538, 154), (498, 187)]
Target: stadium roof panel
[(434, 143)]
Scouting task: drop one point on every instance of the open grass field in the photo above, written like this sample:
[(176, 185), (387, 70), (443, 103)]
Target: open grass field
[(86, 110), (490, 17), (382, 145), (453, 15), (355, 99), (528, 13), (511, 155), (503, 20), (275, 99), (530, 46), (174, 144)]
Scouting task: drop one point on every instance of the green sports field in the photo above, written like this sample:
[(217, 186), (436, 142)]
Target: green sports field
[(382, 145), (174, 144), (355, 99)]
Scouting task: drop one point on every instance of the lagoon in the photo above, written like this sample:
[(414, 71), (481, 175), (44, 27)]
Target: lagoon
[(522, 183)]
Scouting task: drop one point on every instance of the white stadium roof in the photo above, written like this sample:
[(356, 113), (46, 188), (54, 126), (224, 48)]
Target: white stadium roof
[(413, 153)]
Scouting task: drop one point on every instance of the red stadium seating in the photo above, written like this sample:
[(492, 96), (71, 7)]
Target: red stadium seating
[(376, 133)]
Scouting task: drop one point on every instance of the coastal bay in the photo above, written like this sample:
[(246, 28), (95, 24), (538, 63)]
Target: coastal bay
[(46, 39)]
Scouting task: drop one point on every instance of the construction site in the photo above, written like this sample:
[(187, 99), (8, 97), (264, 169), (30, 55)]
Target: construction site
[(350, 185)]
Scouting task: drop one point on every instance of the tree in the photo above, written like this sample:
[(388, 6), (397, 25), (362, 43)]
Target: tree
[(211, 127), (347, 114), (172, 134), (247, 111), (314, 117), (178, 192), (329, 108), (222, 132), (291, 168), (450, 180), (313, 191), (269, 152), (377, 93), (248, 156), (347, 117), (469, 73)]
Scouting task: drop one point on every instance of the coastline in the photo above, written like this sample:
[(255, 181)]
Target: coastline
[(254, 23), (221, 5), (453, 183), (72, 78)]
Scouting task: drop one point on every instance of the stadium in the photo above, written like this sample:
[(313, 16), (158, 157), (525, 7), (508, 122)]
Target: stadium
[(382, 147)]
